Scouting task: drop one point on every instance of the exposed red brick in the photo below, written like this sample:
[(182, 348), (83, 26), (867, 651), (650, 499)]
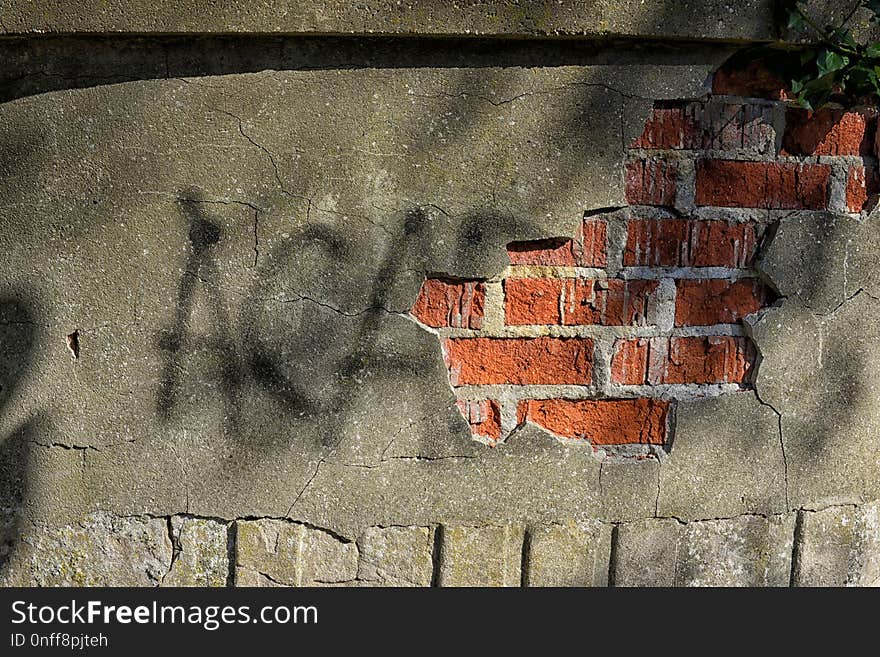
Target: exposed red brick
[(774, 185), (717, 359), (689, 243), (722, 244), (676, 127), (576, 301), (519, 361), (593, 240), (587, 249), (749, 79), (483, 415), (543, 252), (827, 131), (650, 182), (629, 365), (602, 422), (717, 301), (856, 189), (657, 243), (747, 126), (450, 303), (718, 126), (714, 359)]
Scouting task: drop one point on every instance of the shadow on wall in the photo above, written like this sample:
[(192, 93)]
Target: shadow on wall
[(311, 360), (19, 336), (55, 63)]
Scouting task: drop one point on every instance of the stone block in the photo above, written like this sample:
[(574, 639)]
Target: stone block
[(481, 556), (100, 550), (839, 546), (201, 553), (742, 551), (280, 553), (396, 556), (570, 554)]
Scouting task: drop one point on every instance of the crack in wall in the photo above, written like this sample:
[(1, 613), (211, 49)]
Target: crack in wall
[(281, 186)]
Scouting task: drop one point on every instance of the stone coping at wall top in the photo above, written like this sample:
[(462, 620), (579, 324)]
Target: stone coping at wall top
[(730, 20), (737, 21)]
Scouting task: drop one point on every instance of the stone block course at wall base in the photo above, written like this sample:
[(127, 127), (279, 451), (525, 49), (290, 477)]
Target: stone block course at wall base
[(837, 546)]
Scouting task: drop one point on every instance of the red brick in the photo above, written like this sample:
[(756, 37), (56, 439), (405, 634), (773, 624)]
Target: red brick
[(657, 243), (827, 131), (650, 182), (722, 244), (717, 301), (519, 361), (856, 189), (747, 126), (771, 185), (689, 243), (629, 365), (676, 127), (456, 304), (601, 422), (543, 252), (593, 240), (751, 79), (717, 126), (713, 359), (587, 249), (576, 301), (483, 415)]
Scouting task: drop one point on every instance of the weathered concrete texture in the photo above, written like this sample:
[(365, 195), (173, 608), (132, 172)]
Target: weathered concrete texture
[(629, 489), (102, 550), (842, 248), (396, 556), (201, 553), (830, 12), (743, 551), (820, 367), (714, 19), (532, 479), (571, 554), (743, 472), (839, 546), (279, 553), (481, 556), (452, 167), (217, 242)]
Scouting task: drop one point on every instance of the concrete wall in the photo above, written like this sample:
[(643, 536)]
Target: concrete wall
[(234, 261)]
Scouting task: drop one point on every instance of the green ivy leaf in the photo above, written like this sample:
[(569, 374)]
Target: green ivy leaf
[(795, 20), (830, 61), (808, 55), (859, 79), (838, 69), (843, 35)]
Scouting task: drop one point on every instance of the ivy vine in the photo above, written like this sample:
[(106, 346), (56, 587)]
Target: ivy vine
[(837, 66)]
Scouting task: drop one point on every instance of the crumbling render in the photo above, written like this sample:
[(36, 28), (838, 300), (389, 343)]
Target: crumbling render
[(596, 338)]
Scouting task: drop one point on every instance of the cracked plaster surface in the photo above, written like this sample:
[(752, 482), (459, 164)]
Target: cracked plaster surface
[(239, 253)]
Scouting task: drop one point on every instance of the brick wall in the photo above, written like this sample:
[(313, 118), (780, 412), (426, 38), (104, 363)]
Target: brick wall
[(595, 336)]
